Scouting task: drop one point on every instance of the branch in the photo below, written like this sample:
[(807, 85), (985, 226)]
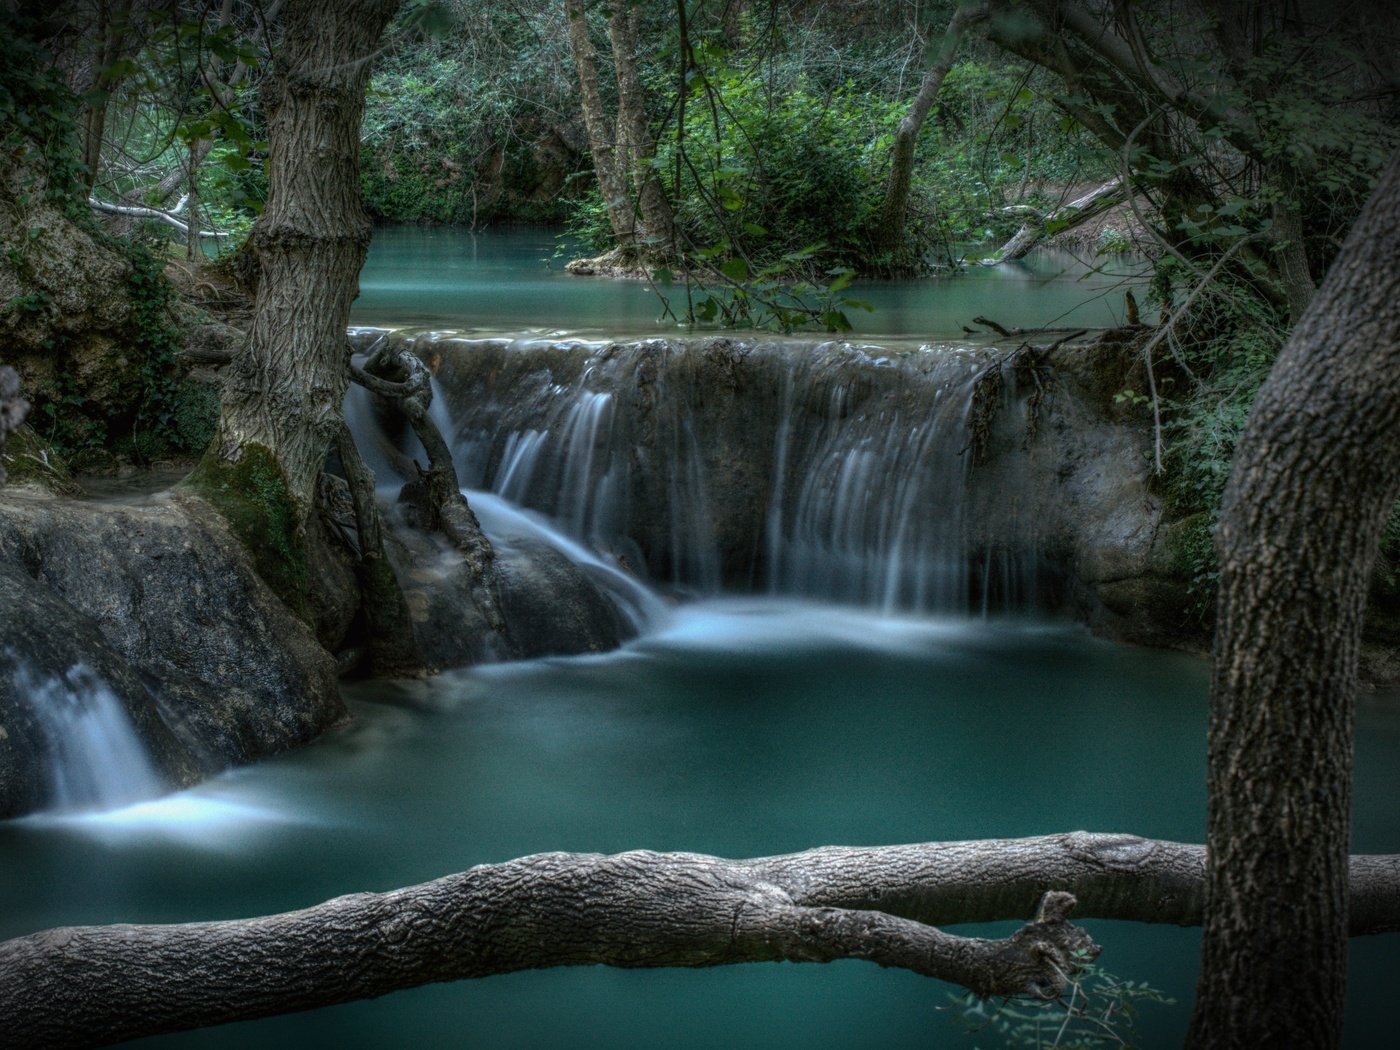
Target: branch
[(1081, 209), (78, 985), (436, 496), (159, 214)]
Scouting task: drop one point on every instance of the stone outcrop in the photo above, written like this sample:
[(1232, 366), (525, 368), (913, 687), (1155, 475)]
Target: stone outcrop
[(161, 603), (64, 304)]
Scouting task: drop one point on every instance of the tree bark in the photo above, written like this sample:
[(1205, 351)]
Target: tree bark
[(617, 202), (77, 986), (888, 239), (1315, 475), (113, 26), (636, 144), (284, 392)]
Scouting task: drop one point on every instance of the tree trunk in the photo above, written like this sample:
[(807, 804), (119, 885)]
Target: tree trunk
[(113, 25), (284, 393), (1315, 475), (888, 239), (612, 182), (636, 145), (76, 986)]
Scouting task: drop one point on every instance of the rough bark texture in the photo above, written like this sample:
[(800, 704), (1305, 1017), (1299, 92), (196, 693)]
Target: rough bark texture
[(889, 228), (284, 393), (77, 986), (636, 144), (611, 181), (1315, 474)]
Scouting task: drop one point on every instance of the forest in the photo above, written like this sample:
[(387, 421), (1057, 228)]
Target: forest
[(945, 452)]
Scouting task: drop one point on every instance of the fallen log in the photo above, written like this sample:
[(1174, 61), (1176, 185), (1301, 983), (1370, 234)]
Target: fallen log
[(82, 986), (1080, 210)]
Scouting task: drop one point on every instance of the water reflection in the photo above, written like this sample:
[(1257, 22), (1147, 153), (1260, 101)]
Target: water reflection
[(512, 280)]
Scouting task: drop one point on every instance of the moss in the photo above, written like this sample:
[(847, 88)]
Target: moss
[(28, 459), (1186, 551), (252, 496), (1188, 546)]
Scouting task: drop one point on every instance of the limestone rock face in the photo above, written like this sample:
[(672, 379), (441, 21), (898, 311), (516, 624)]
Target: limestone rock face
[(947, 478), (64, 309), (161, 603)]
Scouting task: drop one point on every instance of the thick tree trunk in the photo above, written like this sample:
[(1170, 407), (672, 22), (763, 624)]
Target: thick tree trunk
[(636, 144), (284, 392), (612, 181), (888, 239), (1315, 475), (113, 26), (78, 986)]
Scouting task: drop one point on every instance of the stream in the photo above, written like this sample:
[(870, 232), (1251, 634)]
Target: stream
[(734, 724)]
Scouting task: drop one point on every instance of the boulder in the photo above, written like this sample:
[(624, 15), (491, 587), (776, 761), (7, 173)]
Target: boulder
[(160, 601)]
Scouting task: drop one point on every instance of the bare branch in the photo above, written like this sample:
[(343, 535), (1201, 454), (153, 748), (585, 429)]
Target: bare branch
[(159, 214)]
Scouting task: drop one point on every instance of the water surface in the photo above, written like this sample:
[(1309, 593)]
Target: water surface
[(740, 727), (513, 280)]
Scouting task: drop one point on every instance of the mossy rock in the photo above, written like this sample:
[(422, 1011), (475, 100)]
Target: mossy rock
[(252, 496), (1186, 547), (195, 417), (28, 459)]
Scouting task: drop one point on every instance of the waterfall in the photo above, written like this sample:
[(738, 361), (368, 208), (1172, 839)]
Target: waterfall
[(829, 470), (96, 760)]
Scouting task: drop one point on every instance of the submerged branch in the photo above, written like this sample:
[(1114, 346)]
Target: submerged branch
[(76, 986)]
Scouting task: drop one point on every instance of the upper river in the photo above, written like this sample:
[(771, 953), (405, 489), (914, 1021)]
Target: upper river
[(734, 725), (513, 281)]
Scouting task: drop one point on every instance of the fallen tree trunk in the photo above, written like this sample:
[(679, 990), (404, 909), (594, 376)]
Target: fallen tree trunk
[(1081, 209), (86, 985)]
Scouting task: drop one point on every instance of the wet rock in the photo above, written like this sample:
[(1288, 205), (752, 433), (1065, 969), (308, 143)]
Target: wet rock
[(551, 607), (160, 600), (44, 639)]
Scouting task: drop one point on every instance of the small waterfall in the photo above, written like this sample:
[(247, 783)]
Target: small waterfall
[(832, 470), (96, 760), (569, 457), (503, 521)]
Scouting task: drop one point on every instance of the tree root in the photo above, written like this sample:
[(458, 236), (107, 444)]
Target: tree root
[(435, 496)]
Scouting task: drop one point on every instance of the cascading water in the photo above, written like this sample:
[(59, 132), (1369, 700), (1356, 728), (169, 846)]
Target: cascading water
[(581, 524), (830, 471), (96, 759)]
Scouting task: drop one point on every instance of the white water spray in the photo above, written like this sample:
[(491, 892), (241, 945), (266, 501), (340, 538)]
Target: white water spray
[(96, 760)]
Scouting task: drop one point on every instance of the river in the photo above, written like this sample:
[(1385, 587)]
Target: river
[(734, 725)]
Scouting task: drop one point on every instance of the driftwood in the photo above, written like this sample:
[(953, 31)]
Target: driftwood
[(435, 496), (80, 986)]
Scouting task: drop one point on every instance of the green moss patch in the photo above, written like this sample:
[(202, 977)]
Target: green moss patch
[(252, 496)]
